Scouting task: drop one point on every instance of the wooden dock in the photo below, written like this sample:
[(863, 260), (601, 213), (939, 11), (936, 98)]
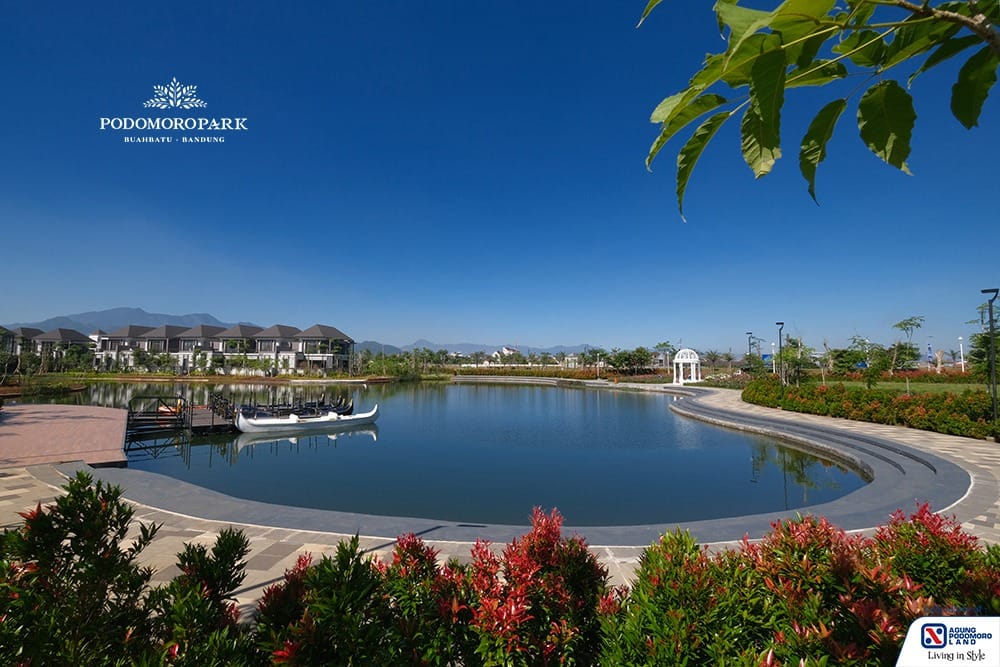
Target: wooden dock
[(204, 421), (154, 416)]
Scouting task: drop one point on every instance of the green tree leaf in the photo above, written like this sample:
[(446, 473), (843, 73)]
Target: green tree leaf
[(688, 156), (885, 121), (947, 49), (795, 21), (664, 111), (761, 126), (698, 107), (915, 36), (813, 148), (865, 48), (975, 79), (742, 23), (861, 10), (650, 6), (817, 73)]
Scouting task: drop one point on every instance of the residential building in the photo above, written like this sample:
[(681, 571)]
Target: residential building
[(55, 343), (242, 349)]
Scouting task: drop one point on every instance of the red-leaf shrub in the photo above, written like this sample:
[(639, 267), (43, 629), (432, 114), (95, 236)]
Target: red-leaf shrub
[(807, 593)]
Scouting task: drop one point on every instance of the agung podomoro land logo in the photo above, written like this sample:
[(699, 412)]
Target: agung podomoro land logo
[(165, 129)]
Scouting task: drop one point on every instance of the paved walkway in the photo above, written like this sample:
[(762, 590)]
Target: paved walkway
[(963, 469)]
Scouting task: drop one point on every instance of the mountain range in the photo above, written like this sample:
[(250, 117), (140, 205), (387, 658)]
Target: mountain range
[(116, 318)]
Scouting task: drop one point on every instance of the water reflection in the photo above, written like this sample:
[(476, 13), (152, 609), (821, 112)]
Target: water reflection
[(799, 470), (227, 449), (244, 440), (489, 453)]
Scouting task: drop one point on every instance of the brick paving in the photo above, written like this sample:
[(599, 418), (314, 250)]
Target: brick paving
[(33, 439)]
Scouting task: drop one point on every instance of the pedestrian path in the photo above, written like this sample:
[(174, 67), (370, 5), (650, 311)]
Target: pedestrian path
[(276, 542)]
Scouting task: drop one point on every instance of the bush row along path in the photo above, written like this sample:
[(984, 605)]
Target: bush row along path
[(40, 446)]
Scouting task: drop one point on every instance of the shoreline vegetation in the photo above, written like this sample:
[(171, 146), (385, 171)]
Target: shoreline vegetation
[(951, 402)]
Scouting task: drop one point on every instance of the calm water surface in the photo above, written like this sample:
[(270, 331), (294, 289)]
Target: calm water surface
[(489, 453)]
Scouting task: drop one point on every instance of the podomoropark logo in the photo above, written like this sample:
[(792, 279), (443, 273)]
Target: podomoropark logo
[(175, 127), (174, 95)]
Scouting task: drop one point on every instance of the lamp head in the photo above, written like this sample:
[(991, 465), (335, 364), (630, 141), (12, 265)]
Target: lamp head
[(992, 291), (780, 324)]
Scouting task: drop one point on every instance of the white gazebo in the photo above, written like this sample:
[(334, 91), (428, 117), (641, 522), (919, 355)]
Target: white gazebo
[(687, 360)]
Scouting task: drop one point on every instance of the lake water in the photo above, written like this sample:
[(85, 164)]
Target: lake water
[(490, 453)]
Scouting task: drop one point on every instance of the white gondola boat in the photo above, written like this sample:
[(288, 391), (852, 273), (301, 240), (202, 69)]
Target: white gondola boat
[(329, 422)]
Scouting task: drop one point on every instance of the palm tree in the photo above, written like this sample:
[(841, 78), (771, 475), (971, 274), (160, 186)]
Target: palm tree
[(729, 358), (712, 357)]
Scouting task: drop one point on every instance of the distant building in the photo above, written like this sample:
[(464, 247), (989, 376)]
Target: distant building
[(240, 349)]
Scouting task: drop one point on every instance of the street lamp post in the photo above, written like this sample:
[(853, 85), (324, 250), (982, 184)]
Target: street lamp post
[(961, 354), (993, 353), (781, 368), (749, 345)]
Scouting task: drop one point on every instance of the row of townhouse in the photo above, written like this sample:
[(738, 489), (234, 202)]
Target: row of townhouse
[(280, 347)]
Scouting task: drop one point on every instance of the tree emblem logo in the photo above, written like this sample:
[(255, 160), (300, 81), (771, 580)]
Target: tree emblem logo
[(174, 95)]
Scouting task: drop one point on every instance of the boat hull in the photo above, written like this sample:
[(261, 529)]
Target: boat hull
[(328, 423)]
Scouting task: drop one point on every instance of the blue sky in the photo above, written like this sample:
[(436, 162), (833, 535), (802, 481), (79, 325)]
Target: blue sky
[(463, 172)]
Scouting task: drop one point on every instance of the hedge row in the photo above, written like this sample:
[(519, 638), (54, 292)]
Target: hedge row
[(968, 413), (71, 592)]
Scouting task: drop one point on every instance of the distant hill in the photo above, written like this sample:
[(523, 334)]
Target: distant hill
[(376, 348), (116, 318)]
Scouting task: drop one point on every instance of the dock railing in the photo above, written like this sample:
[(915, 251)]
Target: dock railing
[(151, 414)]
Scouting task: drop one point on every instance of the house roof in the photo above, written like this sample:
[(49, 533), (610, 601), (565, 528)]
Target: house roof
[(240, 331), (166, 331), (277, 331), (131, 331), (62, 336), (324, 332), (202, 331), (27, 332)]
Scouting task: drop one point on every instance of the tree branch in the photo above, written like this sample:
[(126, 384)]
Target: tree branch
[(978, 23)]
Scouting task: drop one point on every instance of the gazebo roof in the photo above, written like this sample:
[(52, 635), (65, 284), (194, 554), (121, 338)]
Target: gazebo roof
[(687, 354)]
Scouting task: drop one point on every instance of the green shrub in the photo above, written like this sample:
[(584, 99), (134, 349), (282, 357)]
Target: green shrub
[(534, 604), (338, 619), (807, 593), (966, 414), (72, 591), (198, 621)]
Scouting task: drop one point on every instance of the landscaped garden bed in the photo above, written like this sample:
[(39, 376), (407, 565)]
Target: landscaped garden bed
[(967, 413), (71, 592)]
